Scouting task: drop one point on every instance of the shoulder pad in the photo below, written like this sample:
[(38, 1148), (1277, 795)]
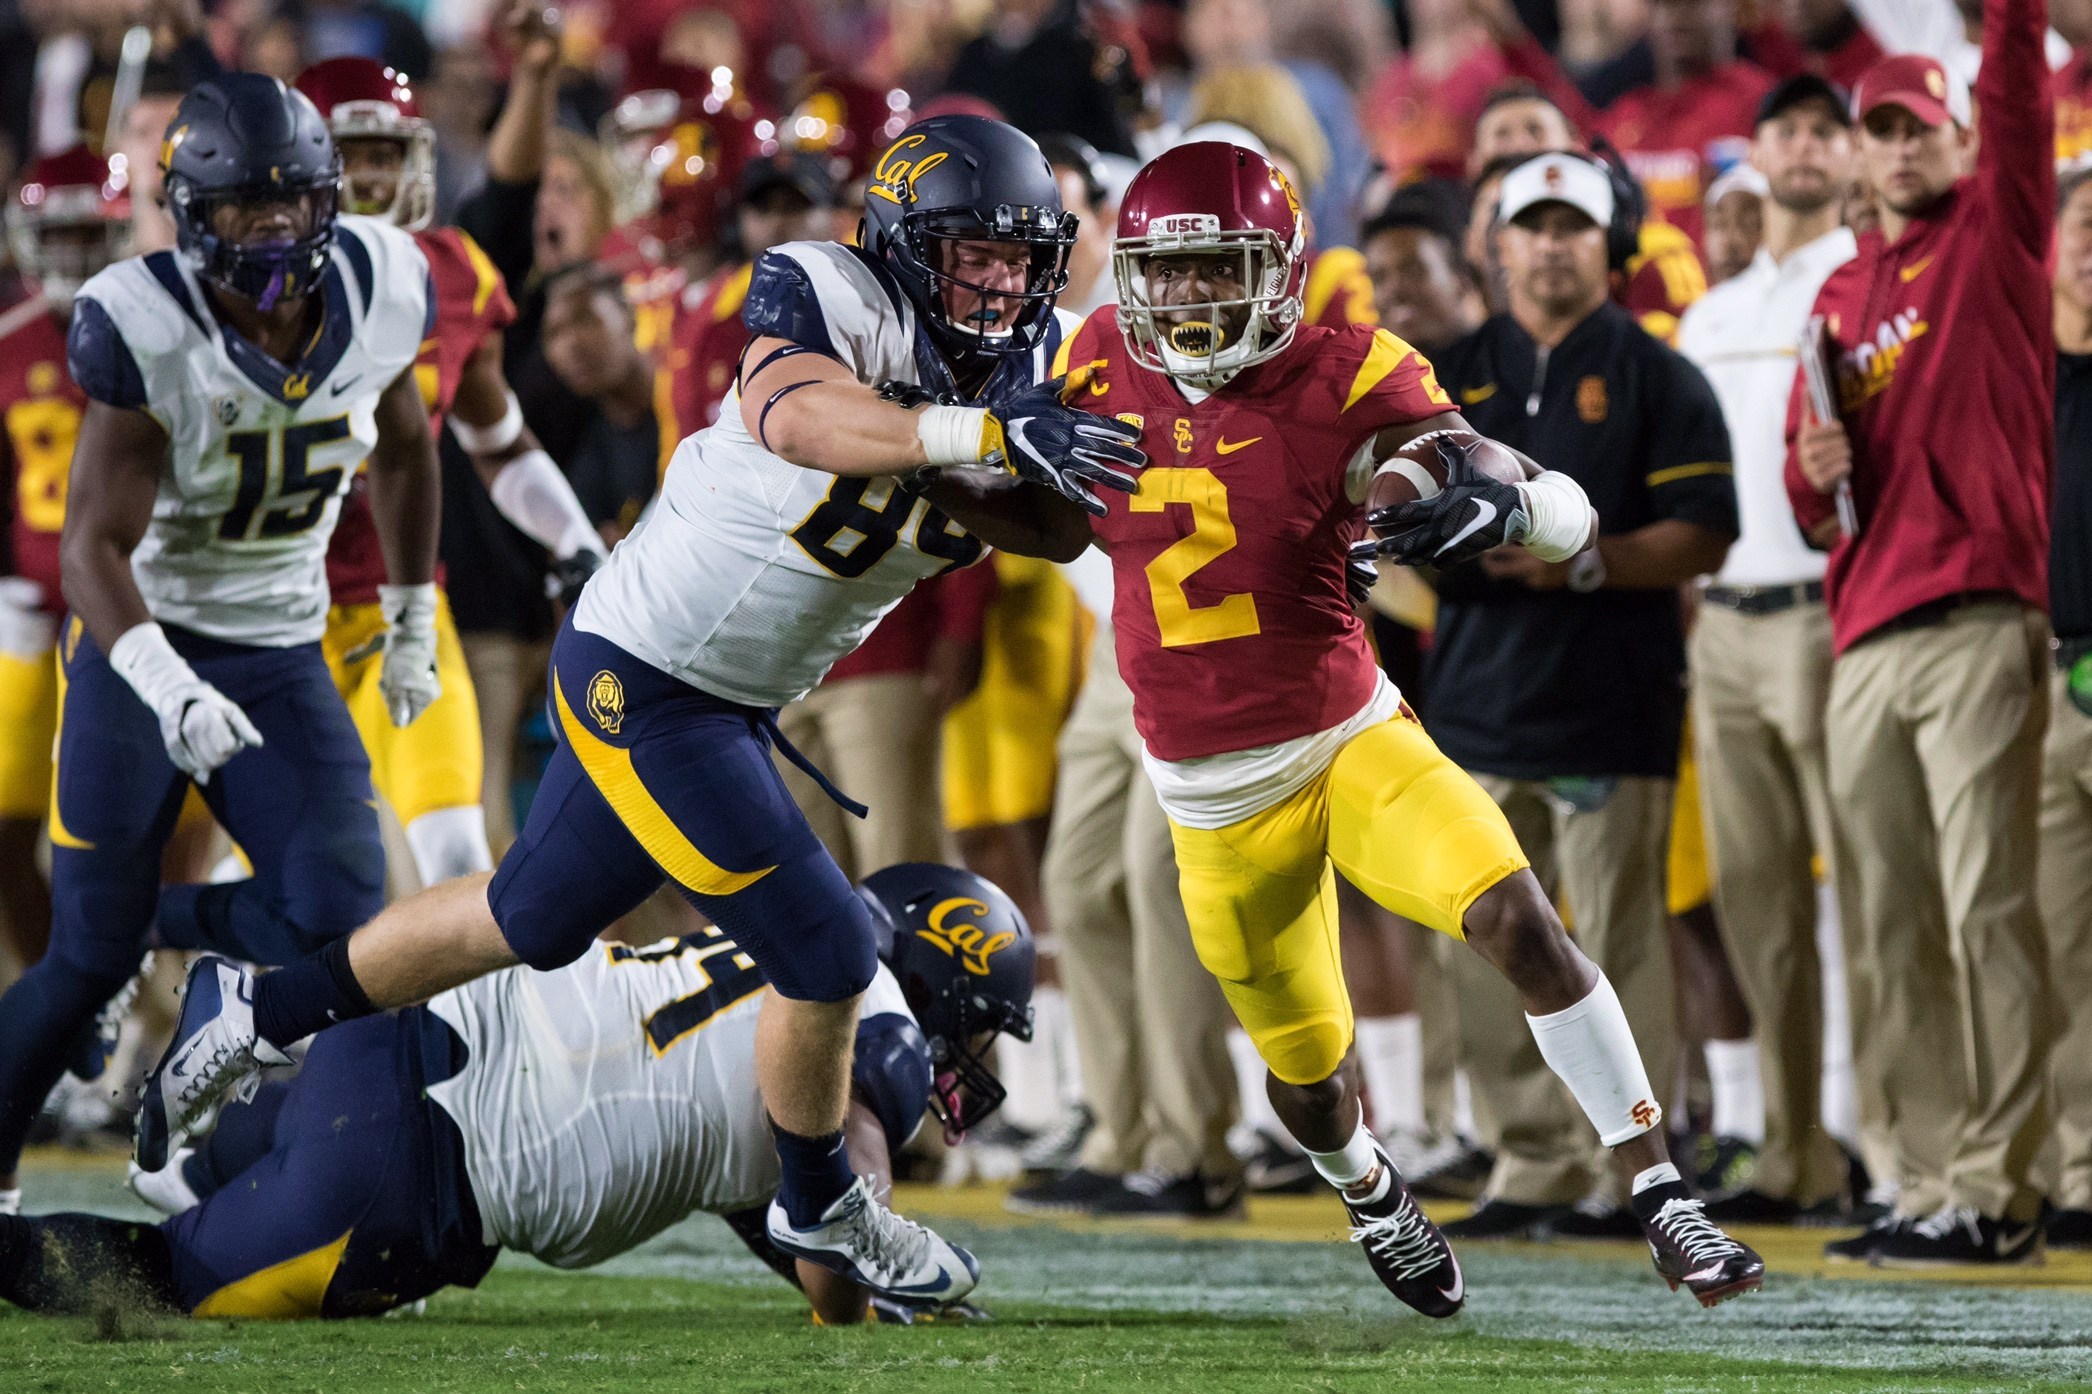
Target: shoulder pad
[(100, 361)]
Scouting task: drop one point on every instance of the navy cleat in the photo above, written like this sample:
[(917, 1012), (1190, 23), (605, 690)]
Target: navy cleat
[(867, 1243), (215, 1052), (1409, 1256)]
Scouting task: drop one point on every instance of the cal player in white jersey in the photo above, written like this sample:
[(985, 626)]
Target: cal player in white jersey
[(568, 1115), (234, 386), (784, 532)]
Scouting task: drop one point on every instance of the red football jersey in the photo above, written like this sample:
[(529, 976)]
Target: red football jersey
[(471, 303), (705, 350), (1233, 625), (42, 410), (1338, 291)]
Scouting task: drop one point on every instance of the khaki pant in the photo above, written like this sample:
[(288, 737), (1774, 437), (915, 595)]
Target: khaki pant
[(1609, 861), (1760, 683), (509, 675), (877, 738), (2066, 914), (1935, 736), (1150, 1023)]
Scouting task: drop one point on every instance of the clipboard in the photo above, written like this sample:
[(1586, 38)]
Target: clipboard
[(1814, 351)]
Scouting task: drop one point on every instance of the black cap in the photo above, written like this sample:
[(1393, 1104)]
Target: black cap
[(1806, 87), (790, 169)]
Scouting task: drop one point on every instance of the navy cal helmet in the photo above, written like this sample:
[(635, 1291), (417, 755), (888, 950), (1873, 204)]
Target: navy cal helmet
[(965, 960), (245, 139)]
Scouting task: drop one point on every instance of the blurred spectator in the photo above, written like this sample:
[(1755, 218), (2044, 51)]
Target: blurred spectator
[(1823, 37), (873, 725), (587, 331), (1761, 663), (1681, 129), (1424, 287), (1421, 109), (785, 197), (1038, 65), (1937, 603), (2066, 777), (1560, 685), (1241, 33), (1735, 222), (2072, 83), (1264, 107), (1084, 193)]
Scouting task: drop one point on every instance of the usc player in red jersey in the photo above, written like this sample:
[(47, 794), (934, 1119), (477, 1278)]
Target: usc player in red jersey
[(1274, 742), (430, 770), (69, 216)]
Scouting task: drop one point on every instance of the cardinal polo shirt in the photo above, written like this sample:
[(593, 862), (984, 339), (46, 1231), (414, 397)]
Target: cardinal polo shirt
[(1539, 684)]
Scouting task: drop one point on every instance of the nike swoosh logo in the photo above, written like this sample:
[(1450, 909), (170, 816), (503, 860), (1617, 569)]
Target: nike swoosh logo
[(344, 385), (1224, 446), (1013, 431), (1469, 396), (2009, 1241), (1485, 514), (1914, 270), (1459, 1287)]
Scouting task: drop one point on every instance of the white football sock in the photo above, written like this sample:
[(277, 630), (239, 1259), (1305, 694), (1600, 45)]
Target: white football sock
[(1590, 1047), (1739, 1090), (1030, 1070), (1660, 1174), (1841, 1088), (1351, 1163), (1391, 1056), (1250, 1070), (450, 842)]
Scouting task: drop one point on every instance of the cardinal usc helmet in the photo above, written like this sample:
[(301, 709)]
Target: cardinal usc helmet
[(70, 217), (1210, 200), (846, 123), (365, 100), (965, 959), (677, 160)]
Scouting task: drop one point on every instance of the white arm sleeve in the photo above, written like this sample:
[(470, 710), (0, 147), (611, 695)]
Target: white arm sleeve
[(531, 492)]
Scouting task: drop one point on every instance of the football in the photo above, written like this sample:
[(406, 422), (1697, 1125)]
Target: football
[(1418, 469)]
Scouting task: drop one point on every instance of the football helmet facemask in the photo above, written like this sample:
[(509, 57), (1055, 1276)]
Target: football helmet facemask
[(364, 100), (70, 217)]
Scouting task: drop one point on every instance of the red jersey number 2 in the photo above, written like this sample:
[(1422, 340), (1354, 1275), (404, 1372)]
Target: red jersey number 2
[(1178, 622)]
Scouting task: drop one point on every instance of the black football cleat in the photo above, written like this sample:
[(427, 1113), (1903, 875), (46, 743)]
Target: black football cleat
[(1862, 1247), (1958, 1235), (1691, 1251), (1408, 1254)]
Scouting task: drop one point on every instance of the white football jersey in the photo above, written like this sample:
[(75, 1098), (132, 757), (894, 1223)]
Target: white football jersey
[(259, 453), (751, 576), (605, 1101)]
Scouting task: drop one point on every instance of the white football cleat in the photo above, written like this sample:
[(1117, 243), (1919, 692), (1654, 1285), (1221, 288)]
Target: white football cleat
[(215, 1052), (165, 1190), (867, 1243)]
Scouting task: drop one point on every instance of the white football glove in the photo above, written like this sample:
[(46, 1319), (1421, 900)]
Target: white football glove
[(407, 677), (201, 727)]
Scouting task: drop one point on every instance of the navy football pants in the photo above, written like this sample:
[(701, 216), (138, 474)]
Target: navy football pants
[(654, 779), (300, 806)]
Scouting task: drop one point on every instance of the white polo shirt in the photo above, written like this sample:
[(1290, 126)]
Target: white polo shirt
[(1743, 334)]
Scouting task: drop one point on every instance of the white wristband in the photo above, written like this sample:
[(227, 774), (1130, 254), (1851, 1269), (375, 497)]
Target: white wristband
[(1560, 516), (143, 658), (490, 440), (952, 435), (408, 607)]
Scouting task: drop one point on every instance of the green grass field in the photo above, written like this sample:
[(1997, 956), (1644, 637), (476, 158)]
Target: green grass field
[(1093, 1309)]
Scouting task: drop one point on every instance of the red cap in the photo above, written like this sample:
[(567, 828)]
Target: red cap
[(1917, 84)]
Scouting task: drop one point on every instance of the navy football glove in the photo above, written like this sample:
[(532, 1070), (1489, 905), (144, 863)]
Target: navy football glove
[(1067, 450), (1470, 515)]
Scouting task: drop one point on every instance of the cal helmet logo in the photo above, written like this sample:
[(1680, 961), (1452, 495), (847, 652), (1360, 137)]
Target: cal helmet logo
[(606, 701), (893, 178), (954, 926), (173, 143)]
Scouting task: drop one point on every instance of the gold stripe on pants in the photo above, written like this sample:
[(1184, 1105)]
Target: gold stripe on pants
[(1150, 1022), (1934, 738), (1610, 862), (1759, 685)]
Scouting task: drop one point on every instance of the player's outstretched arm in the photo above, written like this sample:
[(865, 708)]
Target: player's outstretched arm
[(406, 501), (115, 477), (805, 407), (1010, 515)]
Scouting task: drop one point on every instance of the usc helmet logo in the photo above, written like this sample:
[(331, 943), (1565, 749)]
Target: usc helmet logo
[(693, 152), (965, 940), (893, 178), (606, 701)]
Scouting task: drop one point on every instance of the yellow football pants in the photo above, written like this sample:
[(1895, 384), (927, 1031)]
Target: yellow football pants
[(998, 744), (434, 762), (28, 727), (1405, 824)]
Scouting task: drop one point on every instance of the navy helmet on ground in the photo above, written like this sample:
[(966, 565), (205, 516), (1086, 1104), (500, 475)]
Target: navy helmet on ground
[(246, 140), (954, 179), (965, 960)]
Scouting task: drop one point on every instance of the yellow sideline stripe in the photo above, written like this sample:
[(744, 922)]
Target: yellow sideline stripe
[(610, 769)]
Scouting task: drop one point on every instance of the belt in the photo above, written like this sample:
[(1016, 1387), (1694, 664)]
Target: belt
[(1934, 612), (1764, 600)]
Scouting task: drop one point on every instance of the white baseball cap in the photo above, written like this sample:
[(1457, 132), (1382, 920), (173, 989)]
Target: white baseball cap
[(1558, 177)]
